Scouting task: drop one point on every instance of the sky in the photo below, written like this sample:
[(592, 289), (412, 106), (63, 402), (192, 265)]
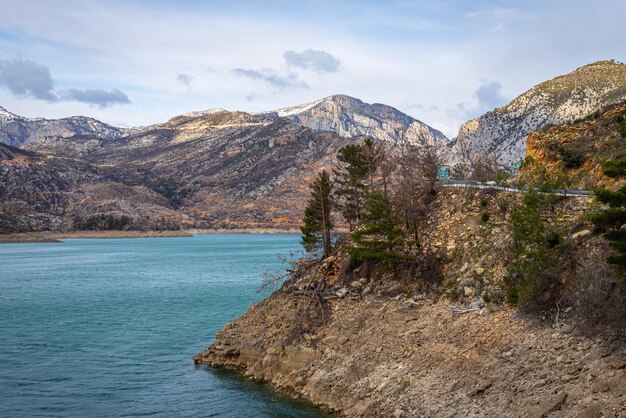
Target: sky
[(134, 63)]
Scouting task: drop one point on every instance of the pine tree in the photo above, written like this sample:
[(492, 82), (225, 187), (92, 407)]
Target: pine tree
[(379, 237), (354, 177), (317, 228), (614, 217)]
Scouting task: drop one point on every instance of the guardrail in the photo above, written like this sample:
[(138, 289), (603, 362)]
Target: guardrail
[(492, 185)]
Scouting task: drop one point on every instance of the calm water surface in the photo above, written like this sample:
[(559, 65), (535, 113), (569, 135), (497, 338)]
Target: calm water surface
[(108, 327)]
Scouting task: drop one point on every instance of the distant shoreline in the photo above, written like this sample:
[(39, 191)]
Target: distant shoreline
[(52, 236)]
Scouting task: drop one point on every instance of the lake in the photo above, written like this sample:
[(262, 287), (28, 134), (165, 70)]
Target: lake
[(108, 327)]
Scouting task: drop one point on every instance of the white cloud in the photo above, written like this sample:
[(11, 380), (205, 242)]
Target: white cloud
[(309, 59)]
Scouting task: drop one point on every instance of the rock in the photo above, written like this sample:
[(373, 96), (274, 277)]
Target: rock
[(356, 285), (231, 351), (553, 403), (601, 386), (592, 411), (468, 291), (342, 292), (581, 234), (394, 289), (567, 328), (478, 303), (466, 283), (481, 387)]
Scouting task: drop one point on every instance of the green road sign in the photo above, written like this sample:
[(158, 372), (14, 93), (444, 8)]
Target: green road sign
[(443, 172)]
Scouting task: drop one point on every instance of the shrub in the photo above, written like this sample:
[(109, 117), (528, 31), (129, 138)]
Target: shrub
[(615, 168), (484, 217), (535, 254), (512, 295), (571, 157), (621, 126)]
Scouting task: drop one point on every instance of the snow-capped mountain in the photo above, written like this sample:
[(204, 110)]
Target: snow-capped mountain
[(504, 131), (18, 130), (350, 117)]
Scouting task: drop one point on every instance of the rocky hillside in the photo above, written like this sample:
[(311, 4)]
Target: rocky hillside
[(17, 130), (45, 192), (579, 149), (503, 131), (350, 117), (211, 169), (217, 168), (392, 342)]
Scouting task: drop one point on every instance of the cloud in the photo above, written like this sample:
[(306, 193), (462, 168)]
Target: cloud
[(488, 96), (184, 79), (27, 79), (271, 77), (95, 97), (252, 97), (309, 59), (497, 12)]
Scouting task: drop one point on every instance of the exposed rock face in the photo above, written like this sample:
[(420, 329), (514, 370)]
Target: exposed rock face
[(17, 130), (503, 131), (350, 117), (379, 345), (591, 141), (381, 357)]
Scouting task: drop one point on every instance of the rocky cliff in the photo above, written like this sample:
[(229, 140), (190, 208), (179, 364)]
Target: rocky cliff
[(17, 130), (386, 342), (350, 117), (579, 149), (503, 131)]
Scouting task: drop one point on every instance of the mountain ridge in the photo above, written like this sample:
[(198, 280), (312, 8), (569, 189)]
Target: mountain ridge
[(503, 131)]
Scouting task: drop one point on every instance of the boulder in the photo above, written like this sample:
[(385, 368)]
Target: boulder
[(342, 292), (581, 234)]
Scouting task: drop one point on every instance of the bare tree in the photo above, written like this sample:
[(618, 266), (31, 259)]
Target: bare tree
[(428, 161), (485, 167)]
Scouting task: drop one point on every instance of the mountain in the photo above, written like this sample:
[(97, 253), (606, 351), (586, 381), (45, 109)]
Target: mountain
[(17, 130), (350, 117), (209, 169), (214, 168), (503, 131)]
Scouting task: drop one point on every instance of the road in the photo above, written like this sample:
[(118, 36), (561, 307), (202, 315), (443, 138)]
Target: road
[(492, 185)]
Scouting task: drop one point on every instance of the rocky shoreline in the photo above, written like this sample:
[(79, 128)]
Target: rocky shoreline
[(363, 342), (50, 236), (379, 355)]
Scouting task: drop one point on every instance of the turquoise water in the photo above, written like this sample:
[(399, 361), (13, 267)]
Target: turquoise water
[(108, 327)]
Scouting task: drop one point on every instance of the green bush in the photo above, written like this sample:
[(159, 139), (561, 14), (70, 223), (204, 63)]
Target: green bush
[(621, 126), (571, 157), (484, 217), (615, 168), (512, 295), (536, 249)]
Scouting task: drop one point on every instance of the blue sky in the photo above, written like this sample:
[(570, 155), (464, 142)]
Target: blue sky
[(443, 62)]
